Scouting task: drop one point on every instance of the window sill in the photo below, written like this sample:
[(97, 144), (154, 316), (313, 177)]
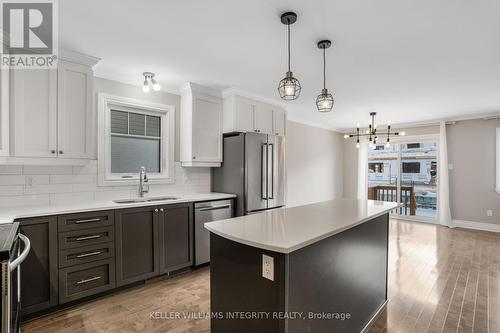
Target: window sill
[(135, 181)]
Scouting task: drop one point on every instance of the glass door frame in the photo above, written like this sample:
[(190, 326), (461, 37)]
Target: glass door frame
[(413, 139)]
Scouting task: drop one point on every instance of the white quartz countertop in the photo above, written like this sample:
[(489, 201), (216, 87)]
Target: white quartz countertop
[(8, 215), (288, 229)]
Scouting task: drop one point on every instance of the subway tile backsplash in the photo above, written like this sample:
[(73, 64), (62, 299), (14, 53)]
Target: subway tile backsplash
[(43, 185)]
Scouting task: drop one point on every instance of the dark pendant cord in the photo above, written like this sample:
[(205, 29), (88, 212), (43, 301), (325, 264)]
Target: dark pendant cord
[(288, 45), (324, 68)]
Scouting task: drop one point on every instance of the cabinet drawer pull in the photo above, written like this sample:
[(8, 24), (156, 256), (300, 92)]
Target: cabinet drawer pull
[(89, 254), (95, 278), (87, 221), (88, 237)]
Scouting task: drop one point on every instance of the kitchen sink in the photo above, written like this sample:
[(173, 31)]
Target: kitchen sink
[(138, 200)]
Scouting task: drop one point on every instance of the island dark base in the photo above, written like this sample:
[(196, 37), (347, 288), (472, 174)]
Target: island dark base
[(342, 274)]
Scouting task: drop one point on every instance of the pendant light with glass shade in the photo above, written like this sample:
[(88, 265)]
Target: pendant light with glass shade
[(289, 87), (324, 101)]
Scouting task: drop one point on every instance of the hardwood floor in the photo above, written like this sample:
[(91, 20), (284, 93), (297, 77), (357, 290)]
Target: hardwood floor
[(440, 280)]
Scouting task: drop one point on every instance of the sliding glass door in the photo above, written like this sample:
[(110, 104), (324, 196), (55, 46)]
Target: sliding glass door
[(418, 169), (405, 172)]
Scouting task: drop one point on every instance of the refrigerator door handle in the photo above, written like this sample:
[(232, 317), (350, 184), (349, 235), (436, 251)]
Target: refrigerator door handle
[(264, 171), (271, 170)]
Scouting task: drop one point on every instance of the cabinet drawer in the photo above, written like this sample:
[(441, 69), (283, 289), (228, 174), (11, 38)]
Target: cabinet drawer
[(85, 280), (83, 255), (72, 239), (81, 221)]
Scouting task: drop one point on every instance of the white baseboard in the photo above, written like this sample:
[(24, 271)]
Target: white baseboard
[(475, 225)]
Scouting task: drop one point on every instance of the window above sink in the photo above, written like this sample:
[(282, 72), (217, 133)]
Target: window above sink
[(132, 134)]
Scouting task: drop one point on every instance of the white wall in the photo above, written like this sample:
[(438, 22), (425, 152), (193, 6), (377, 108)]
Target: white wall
[(313, 164), (471, 150)]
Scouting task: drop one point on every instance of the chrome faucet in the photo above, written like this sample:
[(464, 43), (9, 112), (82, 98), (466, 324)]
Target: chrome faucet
[(143, 178)]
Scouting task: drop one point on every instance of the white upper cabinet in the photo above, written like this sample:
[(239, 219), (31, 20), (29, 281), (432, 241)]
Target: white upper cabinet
[(201, 126), (242, 114), (245, 114), (34, 112), (52, 112), (264, 118), (279, 122), (75, 116)]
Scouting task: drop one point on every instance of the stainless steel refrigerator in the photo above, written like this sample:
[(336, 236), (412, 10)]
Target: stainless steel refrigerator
[(253, 168)]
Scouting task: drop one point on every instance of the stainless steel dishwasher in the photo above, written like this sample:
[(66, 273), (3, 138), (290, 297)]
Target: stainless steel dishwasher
[(207, 212)]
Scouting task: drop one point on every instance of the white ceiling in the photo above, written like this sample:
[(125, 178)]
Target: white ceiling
[(408, 60)]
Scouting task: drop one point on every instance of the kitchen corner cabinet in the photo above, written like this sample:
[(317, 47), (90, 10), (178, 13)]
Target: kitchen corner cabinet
[(243, 114), (39, 272), (137, 244), (52, 111), (201, 127), (176, 237)]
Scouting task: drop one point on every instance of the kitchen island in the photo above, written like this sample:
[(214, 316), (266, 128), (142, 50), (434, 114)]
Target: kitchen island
[(313, 268)]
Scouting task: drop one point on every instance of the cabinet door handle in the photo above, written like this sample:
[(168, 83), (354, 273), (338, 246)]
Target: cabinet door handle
[(156, 210), (161, 209), (87, 221), (95, 278), (89, 254), (52, 151), (88, 237), (61, 152)]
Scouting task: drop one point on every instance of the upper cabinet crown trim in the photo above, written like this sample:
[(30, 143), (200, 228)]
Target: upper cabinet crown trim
[(78, 58), (233, 91), (191, 87)]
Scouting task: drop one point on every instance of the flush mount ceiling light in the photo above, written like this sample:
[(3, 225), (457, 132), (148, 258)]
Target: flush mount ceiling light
[(324, 101), (149, 80), (289, 87), (372, 133)]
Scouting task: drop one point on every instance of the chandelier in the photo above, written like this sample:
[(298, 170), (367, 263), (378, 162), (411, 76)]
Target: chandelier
[(373, 133)]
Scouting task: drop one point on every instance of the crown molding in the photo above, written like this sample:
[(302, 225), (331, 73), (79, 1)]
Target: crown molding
[(78, 58)]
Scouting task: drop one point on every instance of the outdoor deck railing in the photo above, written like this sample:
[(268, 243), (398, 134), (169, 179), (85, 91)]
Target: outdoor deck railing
[(389, 193)]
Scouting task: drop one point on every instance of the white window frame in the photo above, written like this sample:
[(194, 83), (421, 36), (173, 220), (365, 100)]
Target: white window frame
[(106, 103)]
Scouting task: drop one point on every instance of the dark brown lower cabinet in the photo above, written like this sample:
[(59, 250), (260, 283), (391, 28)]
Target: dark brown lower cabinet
[(39, 272), (176, 237), (137, 244), (97, 252)]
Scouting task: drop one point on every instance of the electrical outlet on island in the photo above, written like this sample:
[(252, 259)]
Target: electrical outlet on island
[(268, 267)]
